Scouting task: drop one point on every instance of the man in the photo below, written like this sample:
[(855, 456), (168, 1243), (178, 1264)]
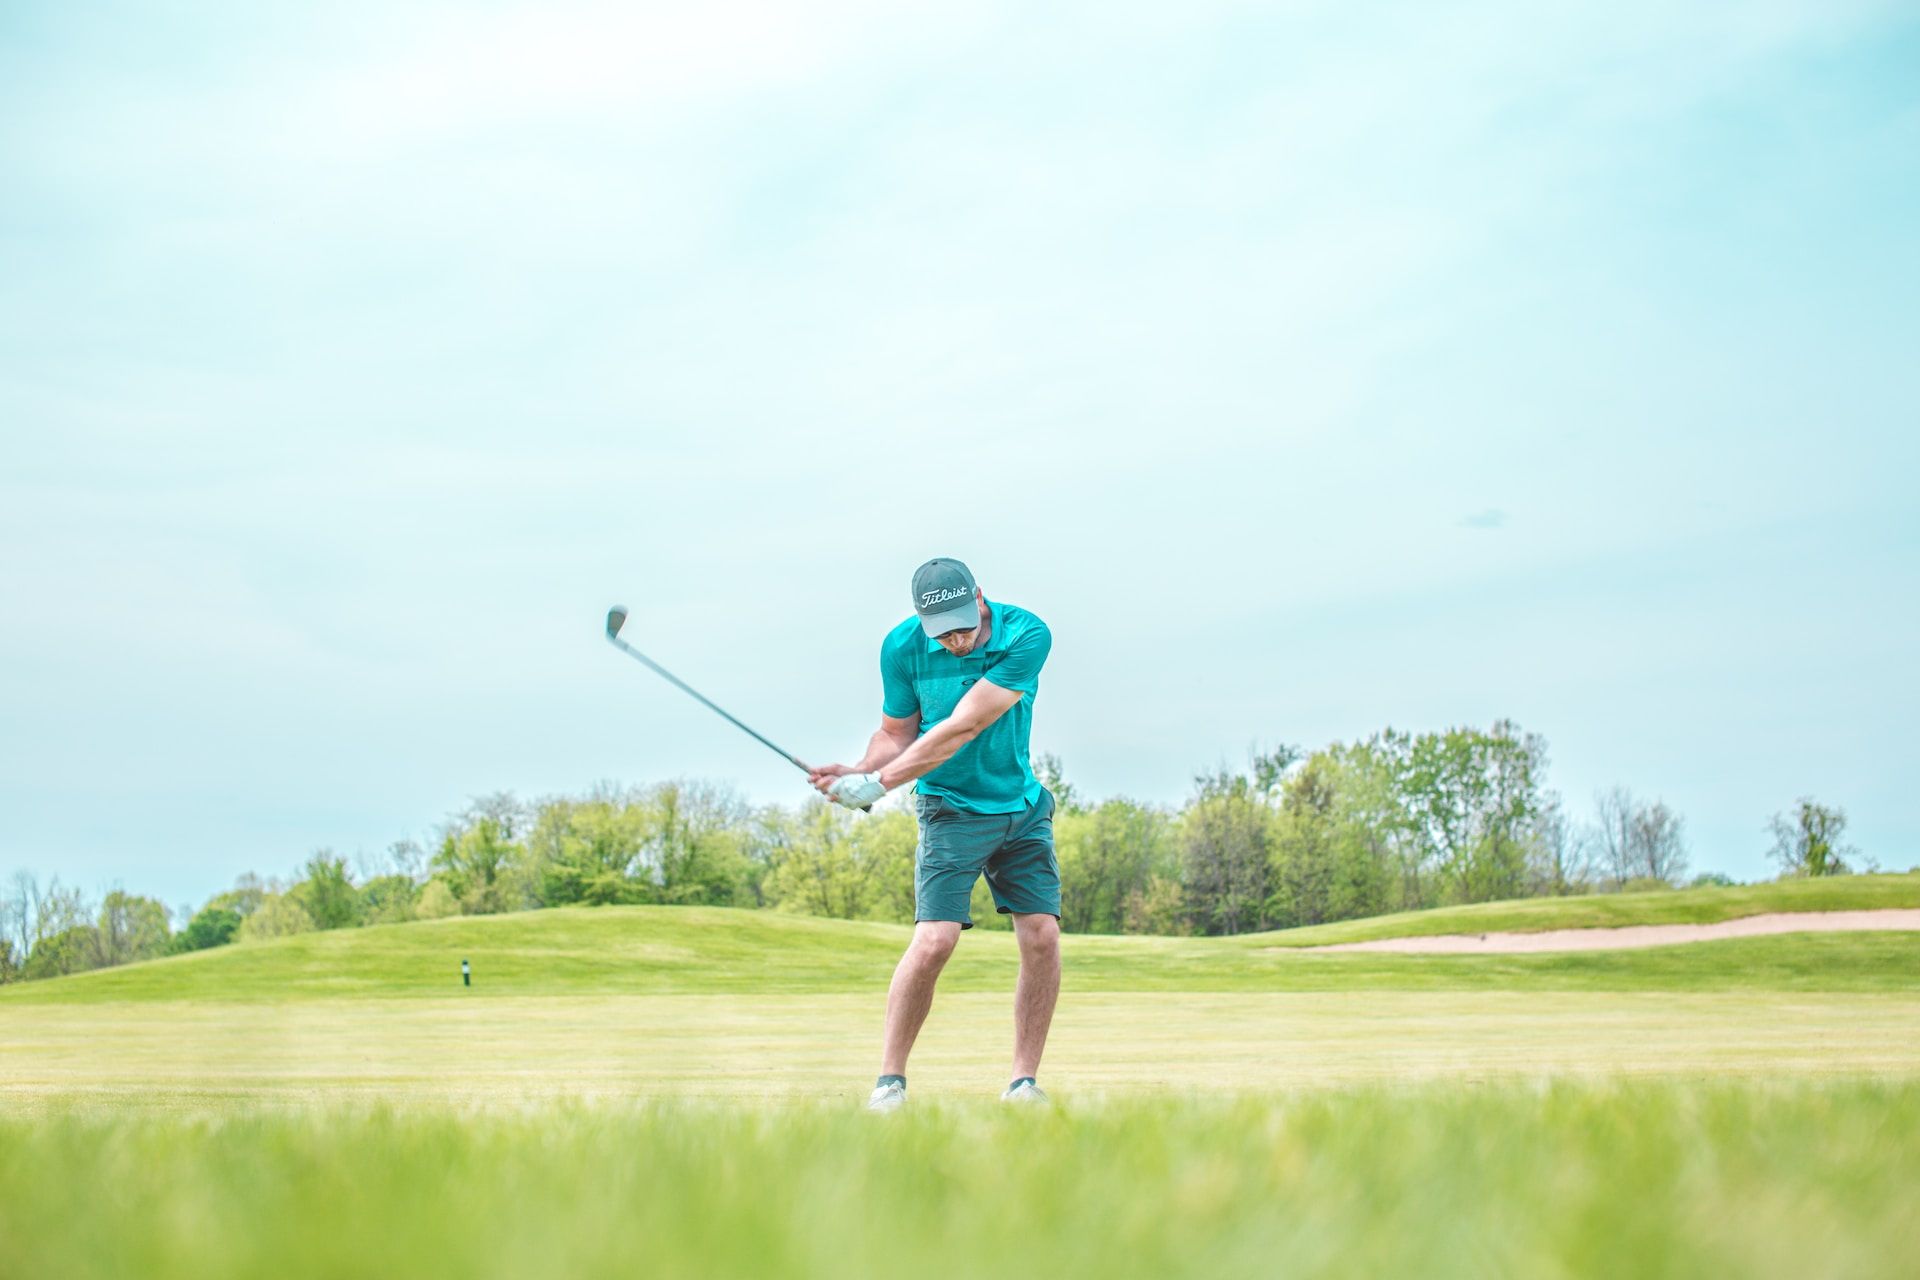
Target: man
[(958, 681)]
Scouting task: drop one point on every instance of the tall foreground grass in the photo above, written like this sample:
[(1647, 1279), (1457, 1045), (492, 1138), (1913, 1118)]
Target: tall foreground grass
[(1676, 1179)]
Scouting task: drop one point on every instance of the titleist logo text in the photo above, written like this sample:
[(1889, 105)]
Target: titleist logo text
[(931, 598)]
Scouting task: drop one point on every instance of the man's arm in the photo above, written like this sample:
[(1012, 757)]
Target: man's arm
[(894, 736), (899, 723), (982, 705), (1018, 674)]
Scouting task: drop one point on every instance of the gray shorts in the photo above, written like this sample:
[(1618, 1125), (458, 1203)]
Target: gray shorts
[(1013, 850)]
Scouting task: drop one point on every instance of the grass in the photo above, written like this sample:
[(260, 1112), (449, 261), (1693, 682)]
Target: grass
[(793, 1050), (631, 1003), (1647, 1180), (673, 1092), (1615, 910), (688, 950)]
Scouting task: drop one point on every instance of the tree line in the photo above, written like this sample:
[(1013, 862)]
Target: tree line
[(1396, 822)]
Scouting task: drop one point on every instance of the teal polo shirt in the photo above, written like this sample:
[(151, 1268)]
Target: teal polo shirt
[(991, 774)]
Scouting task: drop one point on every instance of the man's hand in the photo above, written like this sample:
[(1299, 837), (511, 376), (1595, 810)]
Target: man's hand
[(823, 776), (856, 790)]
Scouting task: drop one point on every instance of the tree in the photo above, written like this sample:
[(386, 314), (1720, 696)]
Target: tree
[(212, 926), (985, 911), (590, 852), (53, 916), (1660, 843), (1048, 770), (1382, 855), (328, 892), (502, 808), (33, 913), (74, 949), (279, 916), (1613, 832), (1336, 839), (248, 892), (482, 858), (475, 864), (388, 899), (9, 961), (1557, 859), (696, 844), (816, 870), (1108, 855), (407, 858), (1638, 841), (1224, 839), (883, 846), (1158, 907), (1306, 845), (1807, 840), (436, 901), (1269, 767), (1474, 797), (129, 928), (824, 862), (16, 917)]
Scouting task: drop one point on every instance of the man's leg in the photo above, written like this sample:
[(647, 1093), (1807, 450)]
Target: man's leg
[(1037, 991), (911, 994)]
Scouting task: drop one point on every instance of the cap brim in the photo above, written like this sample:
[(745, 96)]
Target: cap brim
[(964, 617)]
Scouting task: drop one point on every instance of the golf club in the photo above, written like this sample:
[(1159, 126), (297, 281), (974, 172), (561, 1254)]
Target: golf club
[(617, 618)]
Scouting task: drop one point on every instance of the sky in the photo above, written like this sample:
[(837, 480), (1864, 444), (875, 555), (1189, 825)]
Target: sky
[(1310, 368)]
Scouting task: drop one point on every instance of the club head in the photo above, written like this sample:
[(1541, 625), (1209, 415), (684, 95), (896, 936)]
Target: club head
[(616, 619)]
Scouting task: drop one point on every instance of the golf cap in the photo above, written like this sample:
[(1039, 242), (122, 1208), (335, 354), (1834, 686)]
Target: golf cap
[(945, 597)]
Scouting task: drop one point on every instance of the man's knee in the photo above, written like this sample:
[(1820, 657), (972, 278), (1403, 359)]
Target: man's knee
[(933, 942), (1039, 935)]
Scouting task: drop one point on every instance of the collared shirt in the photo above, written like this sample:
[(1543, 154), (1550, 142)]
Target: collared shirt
[(991, 774)]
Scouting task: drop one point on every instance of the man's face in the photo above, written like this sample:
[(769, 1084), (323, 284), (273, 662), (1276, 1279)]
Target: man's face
[(959, 643)]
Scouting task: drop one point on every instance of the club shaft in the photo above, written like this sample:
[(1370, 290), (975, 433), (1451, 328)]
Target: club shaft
[(684, 687)]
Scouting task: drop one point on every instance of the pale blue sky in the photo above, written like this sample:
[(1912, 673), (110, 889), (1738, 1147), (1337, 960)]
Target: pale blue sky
[(1310, 368)]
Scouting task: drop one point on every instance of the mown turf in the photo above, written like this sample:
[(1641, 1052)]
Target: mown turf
[(1642, 1180), (661, 950), (180, 1057), (675, 1092)]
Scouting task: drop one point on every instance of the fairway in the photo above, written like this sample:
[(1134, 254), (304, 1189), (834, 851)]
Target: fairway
[(789, 1048), (627, 1004), (677, 1091)]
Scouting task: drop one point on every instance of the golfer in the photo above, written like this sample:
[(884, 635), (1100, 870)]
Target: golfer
[(958, 681)]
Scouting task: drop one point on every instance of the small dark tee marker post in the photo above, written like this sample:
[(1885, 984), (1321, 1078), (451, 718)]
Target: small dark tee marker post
[(466, 974)]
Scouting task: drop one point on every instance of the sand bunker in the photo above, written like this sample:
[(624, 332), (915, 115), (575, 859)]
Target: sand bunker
[(1641, 935)]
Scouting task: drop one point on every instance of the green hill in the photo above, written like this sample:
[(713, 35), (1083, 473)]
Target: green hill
[(687, 950), (1616, 910)]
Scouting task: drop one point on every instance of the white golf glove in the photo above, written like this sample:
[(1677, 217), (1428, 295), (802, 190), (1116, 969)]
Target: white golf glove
[(856, 790)]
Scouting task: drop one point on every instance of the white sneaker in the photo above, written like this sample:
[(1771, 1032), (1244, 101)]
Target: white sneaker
[(890, 1096), (1024, 1091)]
